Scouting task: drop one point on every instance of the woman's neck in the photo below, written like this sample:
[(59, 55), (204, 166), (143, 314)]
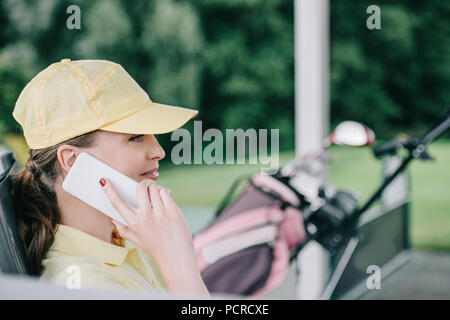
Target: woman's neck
[(77, 214)]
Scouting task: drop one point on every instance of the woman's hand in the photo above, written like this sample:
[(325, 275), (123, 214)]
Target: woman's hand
[(159, 228)]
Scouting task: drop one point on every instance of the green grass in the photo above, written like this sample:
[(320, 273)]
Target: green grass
[(351, 168), (356, 169), (205, 185), (431, 199)]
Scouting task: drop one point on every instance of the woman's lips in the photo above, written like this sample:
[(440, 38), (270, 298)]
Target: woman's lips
[(152, 174)]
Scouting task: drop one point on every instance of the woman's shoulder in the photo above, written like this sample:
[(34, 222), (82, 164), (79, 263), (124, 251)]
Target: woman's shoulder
[(72, 271), (56, 262)]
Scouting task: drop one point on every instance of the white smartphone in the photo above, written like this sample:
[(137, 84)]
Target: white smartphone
[(82, 182)]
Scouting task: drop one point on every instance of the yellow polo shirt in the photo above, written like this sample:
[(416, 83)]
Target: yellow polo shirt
[(77, 260)]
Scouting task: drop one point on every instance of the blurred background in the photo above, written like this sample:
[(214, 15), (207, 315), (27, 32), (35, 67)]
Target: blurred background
[(234, 61)]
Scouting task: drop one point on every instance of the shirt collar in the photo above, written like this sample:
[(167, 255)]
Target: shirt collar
[(79, 243)]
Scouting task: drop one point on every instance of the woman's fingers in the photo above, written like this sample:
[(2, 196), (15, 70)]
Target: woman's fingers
[(155, 198), (166, 197), (143, 195), (124, 231), (122, 207)]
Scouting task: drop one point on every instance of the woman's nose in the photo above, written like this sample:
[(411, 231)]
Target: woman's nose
[(155, 150)]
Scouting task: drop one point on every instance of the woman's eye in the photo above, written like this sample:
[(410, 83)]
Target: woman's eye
[(136, 138)]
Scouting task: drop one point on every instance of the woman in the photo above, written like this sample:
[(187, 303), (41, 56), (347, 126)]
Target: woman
[(95, 106)]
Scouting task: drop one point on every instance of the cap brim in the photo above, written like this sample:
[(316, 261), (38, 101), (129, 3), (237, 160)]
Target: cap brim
[(155, 118)]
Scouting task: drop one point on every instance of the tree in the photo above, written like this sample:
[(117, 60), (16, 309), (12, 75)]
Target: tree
[(157, 42), (248, 65)]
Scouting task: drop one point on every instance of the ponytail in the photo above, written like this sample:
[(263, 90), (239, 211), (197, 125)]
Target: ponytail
[(35, 201), (36, 214)]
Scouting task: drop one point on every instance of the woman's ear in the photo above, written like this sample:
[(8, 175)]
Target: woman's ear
[(67, 155)]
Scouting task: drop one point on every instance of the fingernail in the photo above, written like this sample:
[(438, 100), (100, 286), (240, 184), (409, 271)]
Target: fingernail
[(102, 182)]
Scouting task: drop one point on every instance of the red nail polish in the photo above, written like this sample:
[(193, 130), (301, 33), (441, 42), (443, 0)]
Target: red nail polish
[(102, 182)]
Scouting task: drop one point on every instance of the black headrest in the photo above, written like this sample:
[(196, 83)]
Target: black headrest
[(12, 254)]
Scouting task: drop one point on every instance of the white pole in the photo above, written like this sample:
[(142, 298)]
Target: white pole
[(311, 118)]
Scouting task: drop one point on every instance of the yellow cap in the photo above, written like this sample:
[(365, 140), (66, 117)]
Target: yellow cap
[(70, 98)]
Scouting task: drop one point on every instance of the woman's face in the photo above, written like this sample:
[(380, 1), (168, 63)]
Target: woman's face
[(132, 154)]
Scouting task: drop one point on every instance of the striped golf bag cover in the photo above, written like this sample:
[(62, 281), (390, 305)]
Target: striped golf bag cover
[(245, 250)]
